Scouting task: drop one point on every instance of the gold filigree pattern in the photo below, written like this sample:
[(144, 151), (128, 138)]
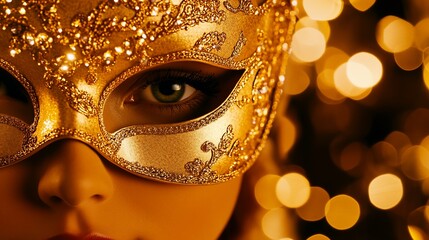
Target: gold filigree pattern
[(266, 89), (27, 140), (197, 171), (210, 41), (239, 45), (162, 175), (201, 171), (246, 7), (79, 100), (242, 101)]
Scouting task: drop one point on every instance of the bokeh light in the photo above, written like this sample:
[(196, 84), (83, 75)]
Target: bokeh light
[(265, 191), (426, 75), (297, 80), (418, 226), (415, 125), (414, 162), (346, 87), (342, 212), (356, 124), (425, 188), (293, 190), (422, 34), (322, 26), (286, 135), (386, 153), (362, 5), (308, 51), (274, 222), (326, 85), (399, 140), (326, 67), (314, 208), (331, 60), (385, 191), (425, 142), (395, 34), (364, 70), (409, 59), (323, 10), (318, 237), (417, 233)]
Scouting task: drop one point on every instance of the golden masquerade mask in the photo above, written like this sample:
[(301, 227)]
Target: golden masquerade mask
[(87, 70)]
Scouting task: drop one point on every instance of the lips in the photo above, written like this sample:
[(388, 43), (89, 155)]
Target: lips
[(92, 236)]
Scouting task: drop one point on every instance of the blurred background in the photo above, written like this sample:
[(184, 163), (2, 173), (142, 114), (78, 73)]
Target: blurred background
[(353, 140)]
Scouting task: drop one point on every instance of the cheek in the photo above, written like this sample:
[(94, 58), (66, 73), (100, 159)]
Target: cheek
[(14, 191), (19, 206), (169, 211), (137, 209)]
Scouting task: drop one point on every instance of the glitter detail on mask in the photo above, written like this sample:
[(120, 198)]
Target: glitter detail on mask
[(239, 45), (210, 41), (246, 7), (197, 171), (201, 171)]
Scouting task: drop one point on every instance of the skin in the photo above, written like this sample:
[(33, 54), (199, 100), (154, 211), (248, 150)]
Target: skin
[(68, 188)]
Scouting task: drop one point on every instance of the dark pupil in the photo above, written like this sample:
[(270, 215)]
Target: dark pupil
[(168, 92)]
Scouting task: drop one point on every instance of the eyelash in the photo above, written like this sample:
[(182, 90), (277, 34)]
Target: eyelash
[(205, 84), (202, 82)]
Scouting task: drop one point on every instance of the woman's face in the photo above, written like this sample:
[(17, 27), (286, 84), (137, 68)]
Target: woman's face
[(101, 99), (67, 188)]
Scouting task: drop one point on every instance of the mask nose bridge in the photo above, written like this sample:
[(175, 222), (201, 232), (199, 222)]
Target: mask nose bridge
[(58, 120)]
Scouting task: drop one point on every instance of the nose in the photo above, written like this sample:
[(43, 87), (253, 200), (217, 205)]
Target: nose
[(73, 174)]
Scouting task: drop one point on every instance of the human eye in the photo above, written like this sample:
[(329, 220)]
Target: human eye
[(171, 93), (166, 92), (170, 88)]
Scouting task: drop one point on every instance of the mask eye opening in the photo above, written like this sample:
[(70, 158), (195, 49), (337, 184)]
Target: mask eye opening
[(212, 84), (17, 97)]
